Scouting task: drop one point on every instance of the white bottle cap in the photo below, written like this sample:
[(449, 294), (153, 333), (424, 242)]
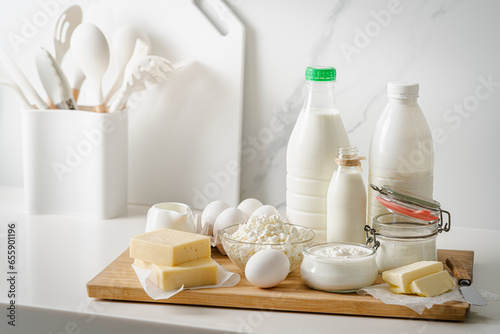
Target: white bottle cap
[(402, 89)]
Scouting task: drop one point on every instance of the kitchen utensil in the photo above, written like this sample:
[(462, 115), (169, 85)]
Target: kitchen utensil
[(54, 81), (129, 42), (465, 282), (75, 163), (63, 29), (20, 79), (77, 79), (148, 72), (15, 88), (177, 216), (91, 53)]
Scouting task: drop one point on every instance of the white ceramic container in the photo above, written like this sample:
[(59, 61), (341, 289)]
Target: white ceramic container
[(75, 162)]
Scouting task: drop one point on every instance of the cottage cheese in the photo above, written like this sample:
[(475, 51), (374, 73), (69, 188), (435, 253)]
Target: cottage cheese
[(264, 232)]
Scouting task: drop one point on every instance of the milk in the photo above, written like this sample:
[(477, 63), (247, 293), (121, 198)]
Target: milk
[(401, 149), (311, 149), (310, 155), (310, 165), (346, 200)]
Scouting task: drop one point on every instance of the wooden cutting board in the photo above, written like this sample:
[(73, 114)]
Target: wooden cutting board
[(119, 282)]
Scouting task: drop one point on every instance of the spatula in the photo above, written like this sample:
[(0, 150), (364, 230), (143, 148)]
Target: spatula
[(148, 72)]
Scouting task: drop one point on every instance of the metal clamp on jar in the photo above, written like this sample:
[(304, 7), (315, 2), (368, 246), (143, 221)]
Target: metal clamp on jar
[(408, 233)]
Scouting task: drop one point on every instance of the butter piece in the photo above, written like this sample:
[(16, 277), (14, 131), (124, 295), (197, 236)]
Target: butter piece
[(169, 247), (432, 285), (403, 276), (193, 273), (396, 289)]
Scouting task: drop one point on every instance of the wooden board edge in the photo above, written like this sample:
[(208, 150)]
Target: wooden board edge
[(369, 306), (450, 311)]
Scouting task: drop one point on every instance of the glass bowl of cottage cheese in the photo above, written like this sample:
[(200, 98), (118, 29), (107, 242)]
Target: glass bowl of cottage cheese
[(241, 241)]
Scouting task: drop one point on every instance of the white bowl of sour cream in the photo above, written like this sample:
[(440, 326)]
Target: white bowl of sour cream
[(339, 267)]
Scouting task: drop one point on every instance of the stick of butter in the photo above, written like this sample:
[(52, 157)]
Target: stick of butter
[(433, 284), (192, 273), (401, 278), (169, 247)]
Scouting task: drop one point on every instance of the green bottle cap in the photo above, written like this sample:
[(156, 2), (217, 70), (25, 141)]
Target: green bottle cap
[(321, 73)]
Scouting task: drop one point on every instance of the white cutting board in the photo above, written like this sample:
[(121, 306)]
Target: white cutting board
[(185, 137)]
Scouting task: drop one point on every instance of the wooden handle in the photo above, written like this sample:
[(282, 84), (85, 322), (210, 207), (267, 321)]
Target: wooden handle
[(459, 271), (76, 93), (101, 108)]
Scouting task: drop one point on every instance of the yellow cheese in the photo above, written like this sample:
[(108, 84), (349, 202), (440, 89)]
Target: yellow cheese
[(432, 285), (192, 273), (401, 278), (169, 247)]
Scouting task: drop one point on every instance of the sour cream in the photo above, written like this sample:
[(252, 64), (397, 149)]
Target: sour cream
[(339, 267)]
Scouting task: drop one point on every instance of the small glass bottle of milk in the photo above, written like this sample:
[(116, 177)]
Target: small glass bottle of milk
[(346, 200), (401, 149), (310, 158)]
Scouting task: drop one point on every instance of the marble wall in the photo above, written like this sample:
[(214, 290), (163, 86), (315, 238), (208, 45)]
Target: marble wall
[(451, 48)]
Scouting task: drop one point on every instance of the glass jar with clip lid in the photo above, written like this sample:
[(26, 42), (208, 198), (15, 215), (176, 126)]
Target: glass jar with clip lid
[(408, 233)]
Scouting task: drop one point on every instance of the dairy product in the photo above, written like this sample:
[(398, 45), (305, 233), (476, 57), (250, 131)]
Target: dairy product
[(404, 240), (432, 285), (311, 152), (401, 278), (266, 232), (401, 149), (310, 166), (193, 273), (394, 253), (338, 267), (342, 251), (346, 199), (169, 247)]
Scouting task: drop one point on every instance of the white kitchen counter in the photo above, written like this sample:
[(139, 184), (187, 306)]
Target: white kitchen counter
[(58, 255)]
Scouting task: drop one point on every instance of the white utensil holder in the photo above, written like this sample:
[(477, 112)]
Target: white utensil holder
[(75, 162)]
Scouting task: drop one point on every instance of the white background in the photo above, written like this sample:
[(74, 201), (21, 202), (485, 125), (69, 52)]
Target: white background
[(445, 46)]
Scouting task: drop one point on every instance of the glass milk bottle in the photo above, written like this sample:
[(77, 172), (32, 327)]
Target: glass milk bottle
[(310, 159), (401, 149), (346, 199)]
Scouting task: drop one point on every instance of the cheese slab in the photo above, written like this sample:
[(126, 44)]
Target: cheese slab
[(169, 247), (401, 278), (193, 273), (433, 284)]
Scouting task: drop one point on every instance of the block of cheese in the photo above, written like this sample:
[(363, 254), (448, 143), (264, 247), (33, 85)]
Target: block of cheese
[(403, 276), (169, 247), (193, 273), (433, 284)]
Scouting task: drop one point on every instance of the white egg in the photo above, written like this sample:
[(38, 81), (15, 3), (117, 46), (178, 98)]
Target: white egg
[(265, 210), (249, 205), (267, 268), (228, 217), (210, 214)]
